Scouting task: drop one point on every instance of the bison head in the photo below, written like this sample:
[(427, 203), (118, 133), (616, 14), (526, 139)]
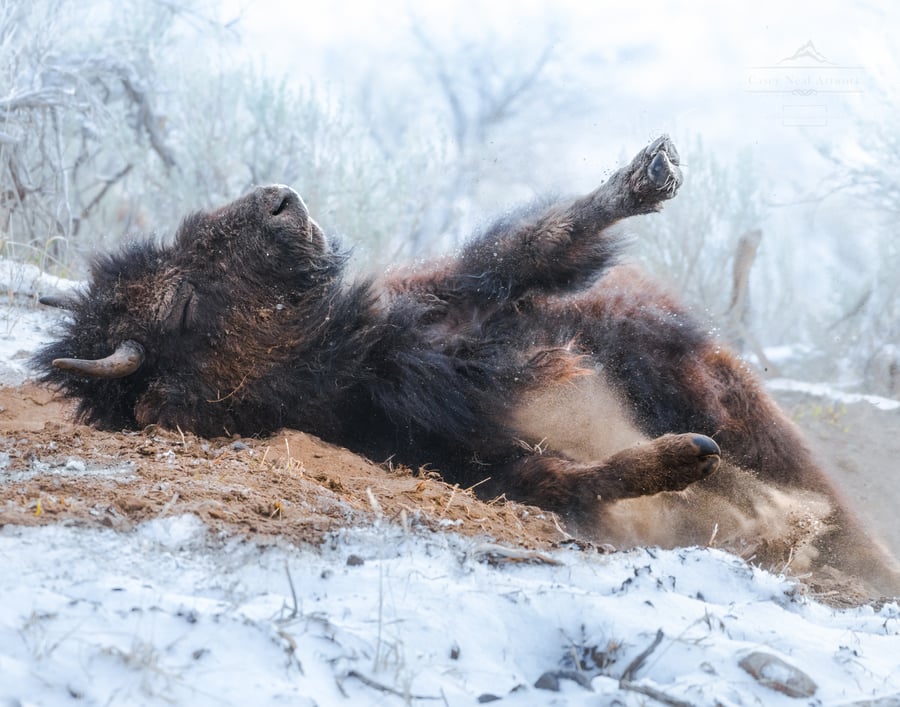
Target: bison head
[(171, 334)]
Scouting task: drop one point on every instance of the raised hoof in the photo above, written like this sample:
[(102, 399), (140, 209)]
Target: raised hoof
[(656, 176)]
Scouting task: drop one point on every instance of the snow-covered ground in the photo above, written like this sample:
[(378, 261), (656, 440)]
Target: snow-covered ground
[(23, 327), (823, 390), (169, 614)]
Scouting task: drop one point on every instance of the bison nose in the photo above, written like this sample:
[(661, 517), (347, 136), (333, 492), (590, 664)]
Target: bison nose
[(279, 199)]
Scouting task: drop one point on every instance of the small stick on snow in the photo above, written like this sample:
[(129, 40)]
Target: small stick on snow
[(498, 553), (562, 532), (369, 682), (625, 682), (290, 579)]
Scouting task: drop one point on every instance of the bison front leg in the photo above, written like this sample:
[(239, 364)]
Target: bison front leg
[(566, 246), (668, 463)]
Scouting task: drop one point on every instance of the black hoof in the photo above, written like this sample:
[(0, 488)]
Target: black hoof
[(706, 445), (660, 170), (655, 175), (708, 453), (665, 144), (663, 169)]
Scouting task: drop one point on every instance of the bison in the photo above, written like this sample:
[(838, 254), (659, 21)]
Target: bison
[(532, 364)]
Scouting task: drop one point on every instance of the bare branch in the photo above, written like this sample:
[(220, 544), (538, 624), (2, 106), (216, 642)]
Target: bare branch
[(40, 98), (460, 119), (148, 119), (626, 681), (107, 184), (502, 105)]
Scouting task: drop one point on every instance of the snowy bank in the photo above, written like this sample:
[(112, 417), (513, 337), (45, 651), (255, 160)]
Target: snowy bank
[(169, 615)]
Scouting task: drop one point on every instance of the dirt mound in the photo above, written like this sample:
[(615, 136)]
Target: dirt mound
[(291, 485)]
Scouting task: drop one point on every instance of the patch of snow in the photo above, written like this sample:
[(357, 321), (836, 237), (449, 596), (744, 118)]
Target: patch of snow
[(24, 326), (25, 280), (73, 467), (785, 353), (823, 390), (172, 533), (23, 329), (166, 614)]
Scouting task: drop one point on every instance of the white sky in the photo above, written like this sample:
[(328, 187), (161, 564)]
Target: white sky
[(676, 67)]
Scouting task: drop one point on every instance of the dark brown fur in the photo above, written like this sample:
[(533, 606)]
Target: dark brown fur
[(530, 360)]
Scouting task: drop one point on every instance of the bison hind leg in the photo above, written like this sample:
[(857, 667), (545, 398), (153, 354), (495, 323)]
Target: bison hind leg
[(668, 463)]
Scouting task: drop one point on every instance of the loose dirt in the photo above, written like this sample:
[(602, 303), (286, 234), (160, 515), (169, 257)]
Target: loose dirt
[(291, 485), (860, 446), (295, 487)]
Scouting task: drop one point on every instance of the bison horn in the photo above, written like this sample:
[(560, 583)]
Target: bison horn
[(124, 361), (58, 301)]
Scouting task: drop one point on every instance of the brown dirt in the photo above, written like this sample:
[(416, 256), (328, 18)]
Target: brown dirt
[(296, 487), (291, 485), (860, 446)]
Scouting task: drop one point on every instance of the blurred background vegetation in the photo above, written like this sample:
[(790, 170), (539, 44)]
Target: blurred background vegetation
[(118, 118)]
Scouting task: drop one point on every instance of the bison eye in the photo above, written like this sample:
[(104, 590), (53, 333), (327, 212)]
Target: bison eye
[(180, 309)]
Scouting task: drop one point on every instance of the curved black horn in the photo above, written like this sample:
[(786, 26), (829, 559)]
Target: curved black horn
[(124, 361), (58, 301)]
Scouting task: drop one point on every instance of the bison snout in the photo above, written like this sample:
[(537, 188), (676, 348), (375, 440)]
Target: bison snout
[(285, 206), (279, 200)]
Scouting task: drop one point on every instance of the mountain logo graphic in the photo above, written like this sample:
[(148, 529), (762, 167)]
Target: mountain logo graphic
[(807, 51)]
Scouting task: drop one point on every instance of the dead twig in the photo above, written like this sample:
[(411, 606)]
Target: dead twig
[(638, 662), (369, 682), (626, 681), (107, 185), (498, 553), (290, 580), (712, 538), (164, 511), (449, 500), (559, 528)]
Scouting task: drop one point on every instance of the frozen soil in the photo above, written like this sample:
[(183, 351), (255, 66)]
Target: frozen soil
[(295, 487)]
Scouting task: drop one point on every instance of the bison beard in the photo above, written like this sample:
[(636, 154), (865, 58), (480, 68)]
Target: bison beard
[(531, 360)]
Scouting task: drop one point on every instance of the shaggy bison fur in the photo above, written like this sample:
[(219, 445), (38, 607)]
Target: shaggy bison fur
[(531, 360)]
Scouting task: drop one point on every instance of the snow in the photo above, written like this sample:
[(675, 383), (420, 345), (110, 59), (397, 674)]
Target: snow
[(171, 614), (823, 390), (24, 328), (25, 280)]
